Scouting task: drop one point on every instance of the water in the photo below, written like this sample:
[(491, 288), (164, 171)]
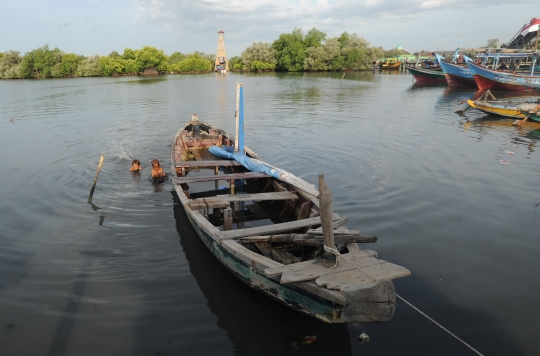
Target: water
[(451, 198)]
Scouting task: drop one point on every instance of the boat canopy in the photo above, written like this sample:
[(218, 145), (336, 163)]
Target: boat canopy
[(503, 55)]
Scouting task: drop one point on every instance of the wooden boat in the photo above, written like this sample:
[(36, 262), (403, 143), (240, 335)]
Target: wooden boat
[(456, 74), (520, 108), (427, 75), (504, 80), (390, 63), (264, 228)]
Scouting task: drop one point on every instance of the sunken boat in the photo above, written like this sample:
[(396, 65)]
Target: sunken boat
[(270, 229)]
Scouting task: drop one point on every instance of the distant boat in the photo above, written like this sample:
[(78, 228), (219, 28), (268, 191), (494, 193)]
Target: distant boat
[(427, 75), (487, 78), (390, 63), (456, 74)]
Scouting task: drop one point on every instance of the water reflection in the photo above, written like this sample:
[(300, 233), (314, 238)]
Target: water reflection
[(256, 324)]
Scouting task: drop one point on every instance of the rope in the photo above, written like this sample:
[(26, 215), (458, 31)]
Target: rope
[(337, 254), (439, 325)]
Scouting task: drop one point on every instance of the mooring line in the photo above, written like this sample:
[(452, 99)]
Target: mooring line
[(336, 252), (439, 325)]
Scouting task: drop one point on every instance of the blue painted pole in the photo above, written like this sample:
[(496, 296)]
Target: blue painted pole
[(241, 122)]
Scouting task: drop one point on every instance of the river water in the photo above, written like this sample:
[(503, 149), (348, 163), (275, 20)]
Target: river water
[(451, 198)]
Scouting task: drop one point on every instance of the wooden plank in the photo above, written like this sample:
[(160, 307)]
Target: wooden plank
[(299, 267), (214, 163), (208, 203), (317, 269), (258, 211), (227, 219), (260, 197), (270, 229), (336, 225), (196, 154), (383, 271), (193, 179)]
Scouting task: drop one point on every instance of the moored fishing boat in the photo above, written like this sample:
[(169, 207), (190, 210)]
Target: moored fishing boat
[(389, 63), (427, 75), (456, 74), (504, 80), (264, 228), (524, 108)]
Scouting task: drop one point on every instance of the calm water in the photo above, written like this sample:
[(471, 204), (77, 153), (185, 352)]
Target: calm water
[(451, 198)]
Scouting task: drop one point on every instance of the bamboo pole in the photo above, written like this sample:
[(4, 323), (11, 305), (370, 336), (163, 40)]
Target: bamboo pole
[(325, 207), (95, 179)]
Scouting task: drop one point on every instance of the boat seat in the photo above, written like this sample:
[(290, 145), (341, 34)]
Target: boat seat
[(212, 178), (223, 201)]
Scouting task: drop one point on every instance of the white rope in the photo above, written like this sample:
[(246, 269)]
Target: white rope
[(439, 325), (337, 254)]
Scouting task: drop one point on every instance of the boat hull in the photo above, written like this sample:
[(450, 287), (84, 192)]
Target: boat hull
[(391, 66), (491, 79), (427, 75), (367, 302), (511, 112), (456, 74)]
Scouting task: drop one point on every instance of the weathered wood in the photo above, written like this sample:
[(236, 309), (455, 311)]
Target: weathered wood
[(341, 239), (193, 179), (308, 240), (268, 229), (383, 271), (201, 164), (208, 203), (95, 179), (280, 256), (335, 225), (305, 208), (227, 219), (325, 207), (317, 269), (258, 211), (336, 232), (216, 212), (301, 266), (260, 196)]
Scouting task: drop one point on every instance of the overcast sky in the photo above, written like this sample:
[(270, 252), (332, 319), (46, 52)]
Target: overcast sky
[(100, 26)]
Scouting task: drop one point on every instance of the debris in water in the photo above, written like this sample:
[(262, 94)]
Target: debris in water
[(301, 341), (503, 161), (510, 152), (11, 120), (11, 326), (363, 337), (536, 206)]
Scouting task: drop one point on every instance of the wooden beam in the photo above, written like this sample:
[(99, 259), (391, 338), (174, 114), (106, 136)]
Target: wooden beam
[(208, 203), (269, 229), (217, 163), (194, 179), (227, 219), (261, 196)]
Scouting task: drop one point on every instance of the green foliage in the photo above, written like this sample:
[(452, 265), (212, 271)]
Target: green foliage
[(314, 38), (10, 65), (69, 64), (176, 57), (129, 54), (193, 63), (259, 66), (39, 63), (394, 52), (261, 53), (111, 65), (114, 54), (235, 63), (290, 51), (89, 67), (151, 58)]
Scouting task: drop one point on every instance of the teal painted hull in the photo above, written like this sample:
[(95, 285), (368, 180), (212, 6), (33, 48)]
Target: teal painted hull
[(294, 297)]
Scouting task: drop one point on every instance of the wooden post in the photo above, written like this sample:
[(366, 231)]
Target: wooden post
[(217, 182), (325, 207), (95, 179), (227, 219)]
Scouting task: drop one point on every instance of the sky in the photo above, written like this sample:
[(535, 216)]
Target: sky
[(91, 27)]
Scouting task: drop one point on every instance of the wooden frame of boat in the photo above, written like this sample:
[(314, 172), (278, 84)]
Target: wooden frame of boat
[(279, 255), (522, 109)]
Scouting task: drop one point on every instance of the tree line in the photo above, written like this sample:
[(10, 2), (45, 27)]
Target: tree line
[(312, 51), (291, 52), (54, 63)]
